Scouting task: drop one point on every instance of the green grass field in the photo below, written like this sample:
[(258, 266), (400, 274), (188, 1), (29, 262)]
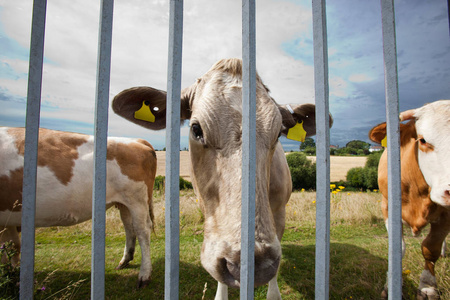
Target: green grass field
[(359, 248)]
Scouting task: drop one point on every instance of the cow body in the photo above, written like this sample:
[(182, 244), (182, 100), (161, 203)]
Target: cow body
[(64, 185), (214, 107), (425, 182)]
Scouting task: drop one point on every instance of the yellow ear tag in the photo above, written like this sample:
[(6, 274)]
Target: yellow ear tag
[(297, 133), (144, 113), (384, 142)]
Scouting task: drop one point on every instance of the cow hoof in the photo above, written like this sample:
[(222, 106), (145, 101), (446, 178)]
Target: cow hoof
[(143, 283), (384, 294), (122, 266), (428, 294)]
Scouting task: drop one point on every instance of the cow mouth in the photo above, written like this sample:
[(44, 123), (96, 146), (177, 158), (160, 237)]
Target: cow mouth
[(231, 272)]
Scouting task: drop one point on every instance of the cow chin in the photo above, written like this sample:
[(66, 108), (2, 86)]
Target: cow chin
[(441, 196), (226, 268)]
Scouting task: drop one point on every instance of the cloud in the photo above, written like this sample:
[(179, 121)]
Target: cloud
[(212, 30)]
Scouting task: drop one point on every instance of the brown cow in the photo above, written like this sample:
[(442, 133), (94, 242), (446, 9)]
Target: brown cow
[(64, 186), (214, 107), (425, 181)]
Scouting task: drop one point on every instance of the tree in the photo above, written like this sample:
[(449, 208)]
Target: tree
[(357, 144), (308, 143)]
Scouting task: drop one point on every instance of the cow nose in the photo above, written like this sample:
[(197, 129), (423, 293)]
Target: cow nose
[(267, 260), (447, 195)]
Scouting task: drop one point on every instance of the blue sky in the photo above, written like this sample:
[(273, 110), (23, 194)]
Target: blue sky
[(212, 31)]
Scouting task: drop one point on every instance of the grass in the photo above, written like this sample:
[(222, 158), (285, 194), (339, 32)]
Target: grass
[(358, 254)]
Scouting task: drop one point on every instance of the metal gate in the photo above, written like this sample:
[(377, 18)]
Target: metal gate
[(172, 145)]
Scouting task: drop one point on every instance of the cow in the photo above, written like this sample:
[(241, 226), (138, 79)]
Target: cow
[(213, 106), (425, 182), (64, 186)]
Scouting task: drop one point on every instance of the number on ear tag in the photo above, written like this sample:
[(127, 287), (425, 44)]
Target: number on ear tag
[(144, 113), (297, 133), (384, 142)]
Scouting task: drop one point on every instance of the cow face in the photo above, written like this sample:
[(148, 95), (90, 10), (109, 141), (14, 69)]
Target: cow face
[(433, 138), (214, 107), (429, 128)]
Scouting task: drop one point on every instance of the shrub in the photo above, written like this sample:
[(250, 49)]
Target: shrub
[(355, 177), (160, 182), (373, 159), (371, 178), (303, 171)]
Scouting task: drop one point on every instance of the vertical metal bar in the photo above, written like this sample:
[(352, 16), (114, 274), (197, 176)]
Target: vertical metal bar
[(100, 145), (393, 139), (323, 153), (172, 260), (31, 149), (248, 150)]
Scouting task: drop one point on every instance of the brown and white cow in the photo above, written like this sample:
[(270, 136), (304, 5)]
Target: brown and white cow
[(425, 181), (64, 186), (213, 104)]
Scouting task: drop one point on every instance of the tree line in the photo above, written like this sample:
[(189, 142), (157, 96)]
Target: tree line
[(355, 147)]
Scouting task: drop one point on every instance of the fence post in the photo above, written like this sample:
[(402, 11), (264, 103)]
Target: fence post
[(248, 151), (31, 149), (100, 146), (322, 265), (172, 260), (393, 144)]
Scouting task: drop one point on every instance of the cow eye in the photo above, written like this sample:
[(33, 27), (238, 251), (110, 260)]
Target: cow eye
[(422, 141), (197, 131)]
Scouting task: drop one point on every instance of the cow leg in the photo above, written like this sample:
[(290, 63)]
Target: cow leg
[(8, 234), (142, 225), (273, 292), (431, 250), (130, 244), (444, 248), (222, 291)]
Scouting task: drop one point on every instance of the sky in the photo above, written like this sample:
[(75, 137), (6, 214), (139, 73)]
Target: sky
[(212, 31)]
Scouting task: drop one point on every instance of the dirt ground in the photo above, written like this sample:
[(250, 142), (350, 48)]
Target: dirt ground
[(339, 165)]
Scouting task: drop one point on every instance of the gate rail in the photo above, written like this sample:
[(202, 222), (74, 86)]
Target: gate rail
[(322, 264)]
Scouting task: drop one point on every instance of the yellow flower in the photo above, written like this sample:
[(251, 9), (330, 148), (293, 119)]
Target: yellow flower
[(337, 190), (341, 187), (334, 192), (406, 272), (314, 201), (196, 200), (348, 193), (332, 186), (375, 190), (303, 190)]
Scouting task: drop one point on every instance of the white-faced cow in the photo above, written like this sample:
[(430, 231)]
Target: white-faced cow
[(64, 186), (425, 181), (214, 107)]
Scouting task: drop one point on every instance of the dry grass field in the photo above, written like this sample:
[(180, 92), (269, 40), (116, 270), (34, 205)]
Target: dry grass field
[(339, 165), (358, 254)]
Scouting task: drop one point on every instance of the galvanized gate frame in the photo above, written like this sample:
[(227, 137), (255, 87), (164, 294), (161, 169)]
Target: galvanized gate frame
[(322, 265)]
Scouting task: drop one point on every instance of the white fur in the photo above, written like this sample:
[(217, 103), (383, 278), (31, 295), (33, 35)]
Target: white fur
[(433, 124)]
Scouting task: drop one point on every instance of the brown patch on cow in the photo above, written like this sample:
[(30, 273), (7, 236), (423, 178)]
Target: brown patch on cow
[(11, 191), (137, 161), (417, 206), (57, 150)]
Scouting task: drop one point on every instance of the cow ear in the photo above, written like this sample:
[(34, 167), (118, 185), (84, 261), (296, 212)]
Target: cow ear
[(378, 133), (146, 106), (304, 114)]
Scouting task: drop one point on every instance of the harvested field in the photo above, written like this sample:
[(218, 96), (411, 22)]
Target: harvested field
[(339, 165)]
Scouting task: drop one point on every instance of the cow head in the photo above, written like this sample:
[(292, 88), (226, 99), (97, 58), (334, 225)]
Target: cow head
[(430, 126), (214, 107)]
